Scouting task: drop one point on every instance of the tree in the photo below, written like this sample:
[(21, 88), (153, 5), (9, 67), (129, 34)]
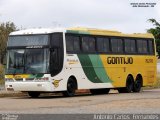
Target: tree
[(5, 30), (156, 33)]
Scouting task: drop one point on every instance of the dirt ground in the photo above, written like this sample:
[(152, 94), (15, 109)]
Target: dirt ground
[(148, 101)]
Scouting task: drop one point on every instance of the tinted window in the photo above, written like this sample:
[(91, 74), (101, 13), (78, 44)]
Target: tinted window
[(56, 40), (130, 46), (72, 43), (56, 53), (88, 44), (69, 43), (76, 44), (103, 44), (150, 45), (85, 45), (117, 45), (142, 46)]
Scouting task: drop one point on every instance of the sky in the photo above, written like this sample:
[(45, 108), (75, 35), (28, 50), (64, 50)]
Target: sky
[(103, 14)]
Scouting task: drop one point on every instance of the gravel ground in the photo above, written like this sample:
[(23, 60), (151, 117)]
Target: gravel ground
[(148, 101)]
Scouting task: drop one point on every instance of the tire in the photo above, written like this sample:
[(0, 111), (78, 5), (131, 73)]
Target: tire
[(71, 88), (137, 84), (34, 94), (99, 91), (129, 86)]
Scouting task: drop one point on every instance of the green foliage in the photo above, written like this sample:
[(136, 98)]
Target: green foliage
[(1, 74), (5, 30), (156, 32)]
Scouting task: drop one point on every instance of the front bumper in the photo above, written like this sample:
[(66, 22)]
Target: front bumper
[(29, 86)]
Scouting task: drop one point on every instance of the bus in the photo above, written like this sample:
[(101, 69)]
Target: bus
[(66, 60)]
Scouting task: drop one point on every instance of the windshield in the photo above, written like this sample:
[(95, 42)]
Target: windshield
[(30, 61)]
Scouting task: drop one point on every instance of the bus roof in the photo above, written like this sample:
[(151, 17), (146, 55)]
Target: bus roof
[(81, 30), (93, 31), (37, 31)]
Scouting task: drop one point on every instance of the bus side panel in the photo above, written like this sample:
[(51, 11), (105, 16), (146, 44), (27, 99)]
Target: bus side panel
[(100, 71), (117, 72), (87, 71), (118, 67)]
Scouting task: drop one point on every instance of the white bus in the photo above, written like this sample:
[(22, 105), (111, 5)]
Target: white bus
[(64, 60)]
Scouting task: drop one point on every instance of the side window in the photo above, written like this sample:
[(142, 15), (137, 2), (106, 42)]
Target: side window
[(145, 48), (69, 43), (150, 45), (139, 46), (116, 45), (102, 44), (72, 43), (76, 44), (88, 44), (142, 46), (56, 40), (127, 45), (56, 53), (130, 45), (85, 45), (133, 46)]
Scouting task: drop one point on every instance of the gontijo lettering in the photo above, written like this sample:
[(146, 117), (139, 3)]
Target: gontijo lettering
[(120, 60)]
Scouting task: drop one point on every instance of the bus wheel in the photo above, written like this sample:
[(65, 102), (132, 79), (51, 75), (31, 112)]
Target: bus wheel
[(137, 84), (129, 86), (71, 88), (34, 94), (100, 91)]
